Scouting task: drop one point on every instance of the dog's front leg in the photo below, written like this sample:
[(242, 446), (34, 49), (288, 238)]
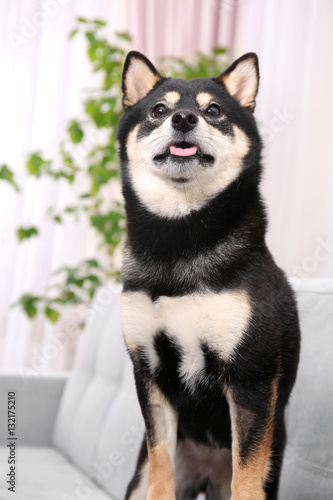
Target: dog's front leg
[(252, 440), (161, 429)]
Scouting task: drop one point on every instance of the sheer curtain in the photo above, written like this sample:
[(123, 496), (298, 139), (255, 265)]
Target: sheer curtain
[(180, 28), (42, 85), (43, 81), (294, 42)]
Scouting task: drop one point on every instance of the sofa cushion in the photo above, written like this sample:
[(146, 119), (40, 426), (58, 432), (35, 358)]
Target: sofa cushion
[(307, 472), (44, 474), (99, 424)]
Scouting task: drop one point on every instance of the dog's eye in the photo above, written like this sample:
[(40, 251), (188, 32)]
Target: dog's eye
[(159, 110), (213, 111)]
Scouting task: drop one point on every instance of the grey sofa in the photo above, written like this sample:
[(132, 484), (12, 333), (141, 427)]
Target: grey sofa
[(78, 438)]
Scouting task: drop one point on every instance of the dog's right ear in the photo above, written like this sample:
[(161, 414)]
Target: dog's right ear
[(241, 80), (139, 77)]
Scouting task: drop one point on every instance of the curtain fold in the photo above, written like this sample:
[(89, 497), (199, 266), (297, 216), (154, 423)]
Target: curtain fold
[(42, 84), (41, 88), (181, 27), (294, 42)]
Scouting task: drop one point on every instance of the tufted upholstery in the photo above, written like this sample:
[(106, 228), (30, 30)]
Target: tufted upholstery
[(44, 474), (99, 424), (98, 428), (99, 413), (307, 472)]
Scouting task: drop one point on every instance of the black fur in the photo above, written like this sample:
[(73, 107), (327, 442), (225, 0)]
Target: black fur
[(220, 246), (143, 454)]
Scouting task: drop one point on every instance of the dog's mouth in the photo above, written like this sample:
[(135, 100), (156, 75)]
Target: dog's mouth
[(184, 151)]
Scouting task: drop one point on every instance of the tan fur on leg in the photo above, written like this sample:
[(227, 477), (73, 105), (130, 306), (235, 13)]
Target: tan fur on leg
[(161, 449), (249, 475)]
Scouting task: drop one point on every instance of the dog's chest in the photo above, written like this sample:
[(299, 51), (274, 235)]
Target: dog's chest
[(217, 321)]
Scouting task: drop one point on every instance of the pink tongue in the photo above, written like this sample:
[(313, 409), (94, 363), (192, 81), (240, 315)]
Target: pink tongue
[(183, 152)]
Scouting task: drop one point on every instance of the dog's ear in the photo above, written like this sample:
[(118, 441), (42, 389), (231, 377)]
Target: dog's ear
[(241, 80), (139, 77)]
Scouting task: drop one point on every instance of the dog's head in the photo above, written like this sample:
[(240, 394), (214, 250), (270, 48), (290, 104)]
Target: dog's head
[(182, 142)]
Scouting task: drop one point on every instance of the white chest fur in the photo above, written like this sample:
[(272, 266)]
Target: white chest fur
[(220, 320)]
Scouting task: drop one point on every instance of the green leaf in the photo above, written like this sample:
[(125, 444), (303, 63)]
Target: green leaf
[(124, 36), (99, 22), (73, 33), (91, 284), (75, 132), (71, 210), (30, 310), (99, 176), (64, 269), (92, 263), (66, 157), (67, 297), (111, 226), (7, 175), (100, 111), (70, 178), (219, 50), (51, 314), (81, 19), (118, 276), (29, 304), (35, 163), (90, 35), (93, 279), (24, 233)]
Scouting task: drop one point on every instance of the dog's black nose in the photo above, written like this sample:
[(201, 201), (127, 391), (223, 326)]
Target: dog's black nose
[(184, 120)]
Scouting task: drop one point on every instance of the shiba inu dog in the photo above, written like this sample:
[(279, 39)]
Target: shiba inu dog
[(209, 320)]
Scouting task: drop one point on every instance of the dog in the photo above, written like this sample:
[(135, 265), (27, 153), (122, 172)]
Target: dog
[(209, 320)]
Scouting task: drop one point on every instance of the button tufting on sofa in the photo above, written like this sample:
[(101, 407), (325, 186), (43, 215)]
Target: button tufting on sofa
[(80, 439)]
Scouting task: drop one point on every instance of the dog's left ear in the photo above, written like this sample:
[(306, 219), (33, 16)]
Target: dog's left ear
[(139, 77), (241, 80)]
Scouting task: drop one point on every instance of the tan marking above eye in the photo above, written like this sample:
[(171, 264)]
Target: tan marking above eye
[(171, 98), (204, 99)]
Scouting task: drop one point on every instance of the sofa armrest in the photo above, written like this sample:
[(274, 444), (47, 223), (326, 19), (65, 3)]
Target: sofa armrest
[(37, 402)]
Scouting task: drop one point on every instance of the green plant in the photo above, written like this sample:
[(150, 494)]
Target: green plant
[(7, 175), (95, 165)]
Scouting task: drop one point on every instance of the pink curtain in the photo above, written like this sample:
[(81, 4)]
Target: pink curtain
[(42, 86), (294, 43), (181, 27), (294, 111)]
